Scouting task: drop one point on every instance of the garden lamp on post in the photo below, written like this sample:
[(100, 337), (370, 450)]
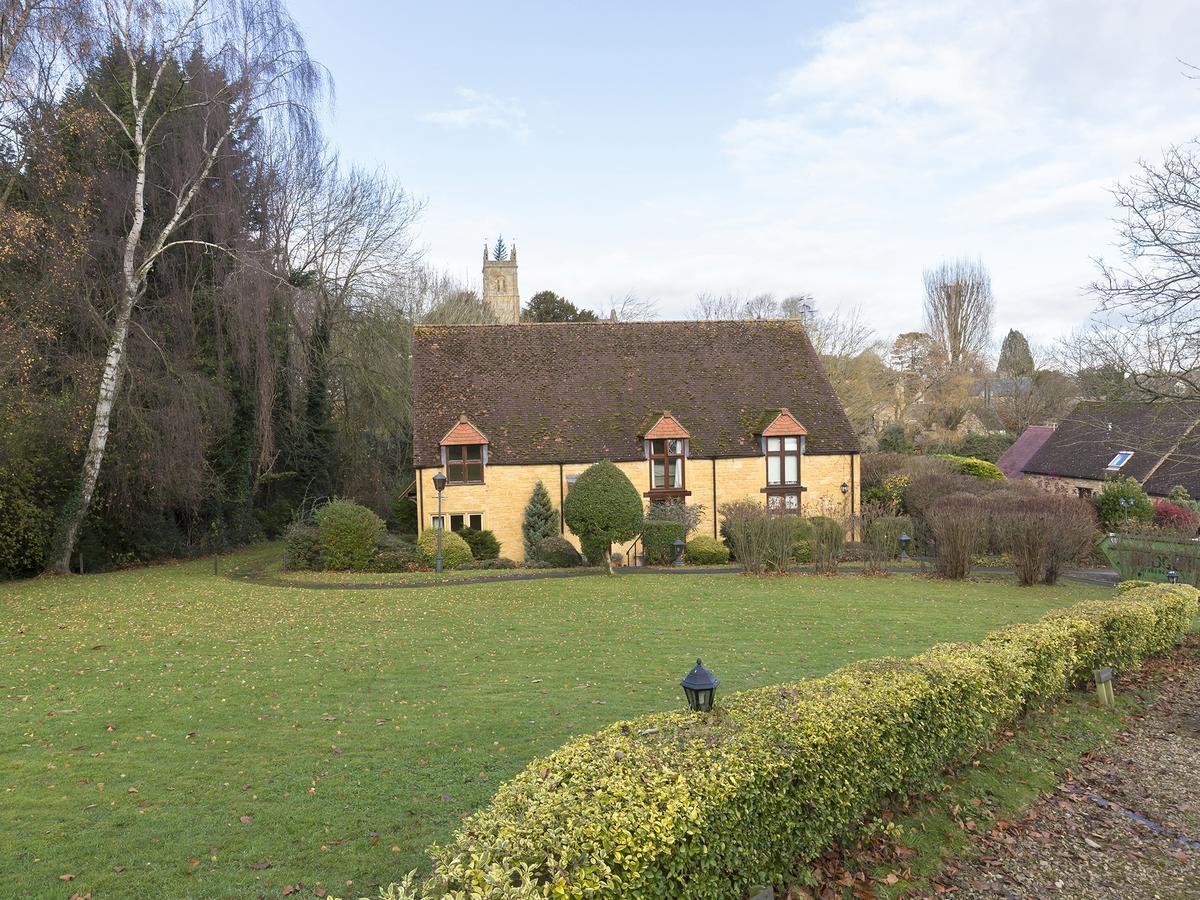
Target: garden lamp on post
[(679, 545), (1172, 576), (700, 687), (905, 540), (439, 485), (1125, 511)]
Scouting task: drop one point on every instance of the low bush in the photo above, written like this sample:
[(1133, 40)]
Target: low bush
[(499, 562), (556, 552), (482, 542), (348, 534), (399, 557), (882, 534), (705, 550), (658, 541), (455, 551), (976, 468), (1137, 509), (302, 547), (760, 540), (959, 526), (827, 541), (1175, 517), (980, 446), (695, 806), (802, 551)]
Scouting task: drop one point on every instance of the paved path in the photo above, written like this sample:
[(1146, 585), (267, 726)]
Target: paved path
[(1125, 825)]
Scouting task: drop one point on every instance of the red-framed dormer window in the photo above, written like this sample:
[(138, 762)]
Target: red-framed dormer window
[(666, 443)]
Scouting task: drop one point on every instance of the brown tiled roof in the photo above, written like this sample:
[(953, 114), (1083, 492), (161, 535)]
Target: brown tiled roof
[(667, 426), (1012, 461), (581, 392), (463, 432), (1164, 438)]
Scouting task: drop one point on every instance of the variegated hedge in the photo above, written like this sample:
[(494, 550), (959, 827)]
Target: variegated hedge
[(685, 805)]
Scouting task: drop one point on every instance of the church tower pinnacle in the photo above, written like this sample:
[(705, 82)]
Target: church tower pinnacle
[(500, 292)]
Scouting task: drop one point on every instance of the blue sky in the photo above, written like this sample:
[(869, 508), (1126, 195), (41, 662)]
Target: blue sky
[(837, 149)]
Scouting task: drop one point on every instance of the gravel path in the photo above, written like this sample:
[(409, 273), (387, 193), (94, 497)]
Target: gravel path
[(1126, 824)]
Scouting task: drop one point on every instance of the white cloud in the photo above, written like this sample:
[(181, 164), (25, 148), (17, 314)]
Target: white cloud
[(483, 110), (916, 131)]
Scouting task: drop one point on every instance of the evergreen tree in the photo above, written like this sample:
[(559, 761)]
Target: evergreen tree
[(894, 439), (547, 306), (1015, 356), (541, 521), (500, 251), (604, 508)]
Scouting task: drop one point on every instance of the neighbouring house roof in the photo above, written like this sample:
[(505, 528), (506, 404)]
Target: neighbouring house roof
[(665, 426), (1164, 439), (581, 392), (1013, 460), (463, 432)]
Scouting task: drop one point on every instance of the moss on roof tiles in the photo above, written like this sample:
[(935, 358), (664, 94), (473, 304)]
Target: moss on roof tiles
[(597, 383)]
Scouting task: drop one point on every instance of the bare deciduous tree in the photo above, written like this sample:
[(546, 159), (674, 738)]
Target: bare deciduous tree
[(631, 308), (959, 308), (268, 81)]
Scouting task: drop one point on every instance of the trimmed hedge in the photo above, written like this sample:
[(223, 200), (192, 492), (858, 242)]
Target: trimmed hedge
[(683, 805), (455, 551), (302, 547), (704, 550), (976, 468), (658, 538)]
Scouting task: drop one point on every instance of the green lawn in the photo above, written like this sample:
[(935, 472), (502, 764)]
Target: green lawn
[(187, 728)]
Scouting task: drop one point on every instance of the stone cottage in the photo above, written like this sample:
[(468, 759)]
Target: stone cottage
[(705, 412), (1157, 444)]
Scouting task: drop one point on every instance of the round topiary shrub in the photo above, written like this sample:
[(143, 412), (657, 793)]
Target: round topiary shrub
[(455, 551), (482, 542), (704, 550), (348, 534), (302, 547), (556, 552)]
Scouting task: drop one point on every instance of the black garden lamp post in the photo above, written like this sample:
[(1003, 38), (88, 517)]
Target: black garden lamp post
[(1125, 504), (700, 687), (905, 540), (439, 485), (1172, 576), (679, 545)]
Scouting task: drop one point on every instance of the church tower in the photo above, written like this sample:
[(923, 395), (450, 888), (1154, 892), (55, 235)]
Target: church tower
[(500, 292)]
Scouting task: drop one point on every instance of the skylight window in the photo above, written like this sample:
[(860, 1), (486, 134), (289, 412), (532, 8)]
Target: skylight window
[(1119, 460)]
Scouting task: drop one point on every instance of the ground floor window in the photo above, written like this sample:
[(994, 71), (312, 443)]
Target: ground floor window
[(785, 502), (1086, 493), (459, 521)]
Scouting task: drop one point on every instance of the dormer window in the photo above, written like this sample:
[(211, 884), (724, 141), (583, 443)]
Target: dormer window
[(464, 453), (782, 438), (666, 443)]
